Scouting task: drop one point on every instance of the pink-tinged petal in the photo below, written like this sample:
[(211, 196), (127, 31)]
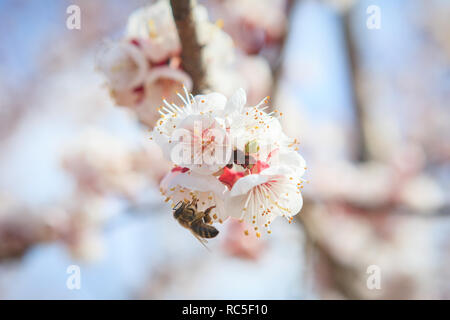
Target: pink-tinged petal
[(127, 98), (123, 64), (240, 245), (273, 154)]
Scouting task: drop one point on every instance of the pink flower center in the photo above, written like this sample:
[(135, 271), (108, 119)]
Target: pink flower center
[(230, 176)]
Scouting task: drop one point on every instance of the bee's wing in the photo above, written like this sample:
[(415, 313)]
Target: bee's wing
[(202, 241)]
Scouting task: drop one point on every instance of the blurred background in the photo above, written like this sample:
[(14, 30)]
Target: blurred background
[(79, 177)]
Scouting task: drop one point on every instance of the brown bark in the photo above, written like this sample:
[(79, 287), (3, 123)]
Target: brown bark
[(191, 54)]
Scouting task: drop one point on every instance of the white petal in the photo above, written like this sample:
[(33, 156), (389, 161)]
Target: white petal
[(163, 142), (289, 158), (236, 102), (221, 210), (245, 184), (213, 101), (165, 72), (198, 182), (293, 201), (165, 182), (277, 171), (235, 204), (289, 200), (200, 122)]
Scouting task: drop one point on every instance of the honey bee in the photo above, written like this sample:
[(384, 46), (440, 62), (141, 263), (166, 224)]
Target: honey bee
[(198, 222)]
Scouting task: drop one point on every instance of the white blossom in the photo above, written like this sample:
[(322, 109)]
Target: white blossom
[(154, 29), (259, 198), (145, 67), (123, 64), (193, 130), (255, 192)]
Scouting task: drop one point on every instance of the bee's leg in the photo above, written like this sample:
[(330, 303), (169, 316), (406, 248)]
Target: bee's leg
[(207, 217), (207, 211)]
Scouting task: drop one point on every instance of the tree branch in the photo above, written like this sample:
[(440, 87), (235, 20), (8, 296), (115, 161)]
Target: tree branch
[(277, 68), (191, 54), (363, 143)]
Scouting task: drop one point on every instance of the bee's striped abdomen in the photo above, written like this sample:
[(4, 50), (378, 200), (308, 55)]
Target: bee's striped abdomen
[(204, 230)]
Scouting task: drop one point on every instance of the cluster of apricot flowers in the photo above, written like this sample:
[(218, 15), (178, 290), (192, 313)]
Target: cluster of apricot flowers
[(146, 62), (230, 156)]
